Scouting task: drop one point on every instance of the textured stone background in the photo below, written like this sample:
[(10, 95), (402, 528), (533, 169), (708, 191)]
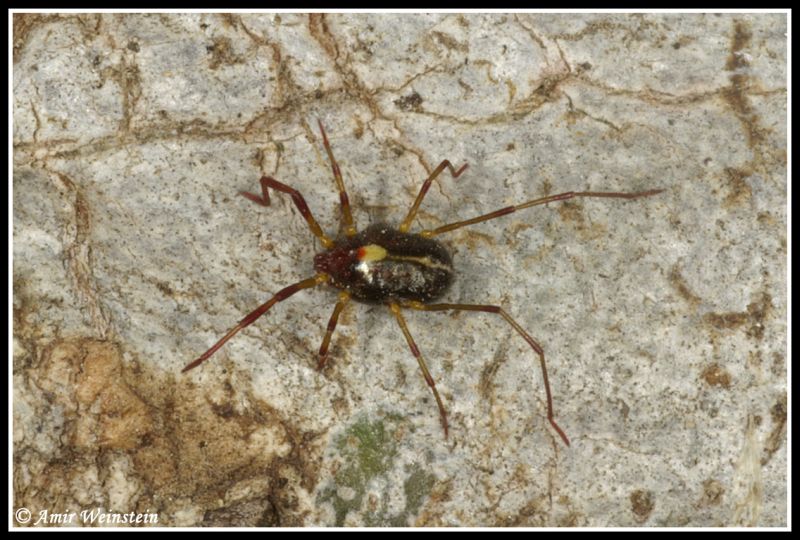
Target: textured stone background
[(664, 319)]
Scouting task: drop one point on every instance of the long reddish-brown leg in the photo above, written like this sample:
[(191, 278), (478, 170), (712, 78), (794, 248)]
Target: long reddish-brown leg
[(421, 361), (536, 202), (344, 201), (283, 294), (406, 224), (535, 346), (269, 182), (344, 298)]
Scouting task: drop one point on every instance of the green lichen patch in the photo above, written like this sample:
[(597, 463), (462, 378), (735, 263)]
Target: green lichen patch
[(371, 464)]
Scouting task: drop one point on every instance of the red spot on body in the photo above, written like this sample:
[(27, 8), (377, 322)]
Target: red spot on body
[(334, 262)]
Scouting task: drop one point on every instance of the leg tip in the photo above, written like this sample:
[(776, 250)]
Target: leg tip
[(321, 362), (189, 366), (560, 432)]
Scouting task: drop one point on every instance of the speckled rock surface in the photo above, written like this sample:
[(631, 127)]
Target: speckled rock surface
[(663, 319)]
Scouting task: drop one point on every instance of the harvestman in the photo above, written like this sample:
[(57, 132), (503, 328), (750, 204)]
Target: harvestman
[(388, 265)]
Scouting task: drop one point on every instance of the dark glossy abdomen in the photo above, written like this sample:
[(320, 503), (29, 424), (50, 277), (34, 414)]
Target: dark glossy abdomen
[(412, 268)]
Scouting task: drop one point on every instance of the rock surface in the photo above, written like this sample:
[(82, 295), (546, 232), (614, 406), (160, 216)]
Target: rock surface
[(663, 319)]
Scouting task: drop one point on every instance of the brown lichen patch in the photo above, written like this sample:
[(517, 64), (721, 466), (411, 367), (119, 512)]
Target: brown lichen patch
[(411, 102), (726, 321), (23, 26), (127, 76), (739, 191), (514, 232), (712, 493), (548, 89), (679, 283), (432, 513), (767, 218), (777, 435), (715, 375), (682, 42), (759, 311), (26, 308), (449, 42), (221, 51), (219, 446), (180, 447), (736, 97), (623, 32), (736, 94), (85, 377), (534, 513), (77, 232), (739, 40), (753, 319), (157, 464), (573, 214), (476, 240), (486, 385), (572, 519), (642, 504), (572, 116), (360, 128), (318, 28), (517, 227), (258, 512)]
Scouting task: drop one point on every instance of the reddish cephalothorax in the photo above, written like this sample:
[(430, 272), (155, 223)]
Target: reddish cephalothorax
[(389, 265), (383, 263)]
